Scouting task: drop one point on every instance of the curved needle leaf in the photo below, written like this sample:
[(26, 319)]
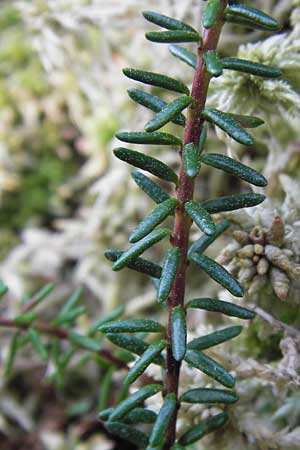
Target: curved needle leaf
[(218, 273), (236, 168), (137, 249), (201, 217), (232, 202), (134, 400), (191, 160), (169, 270), (139, 264), (157, 215), (253, 68), (152, 102), (145, 360), (156, 79), (215, 338), (210, 367), (141, 137), (145, 162), (205, 241), (210, 13), (152, 189), (214, 305), (204, 427), (184, 55), (253, 16), (132, 344), (204, 395), (132, 326), (165, 415), (167, 22), (227, 124), (168, 113), (178, 333), (167, 37), (128, 433)]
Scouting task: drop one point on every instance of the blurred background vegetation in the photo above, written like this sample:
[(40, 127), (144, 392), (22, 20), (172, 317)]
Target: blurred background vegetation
[(64, 199)]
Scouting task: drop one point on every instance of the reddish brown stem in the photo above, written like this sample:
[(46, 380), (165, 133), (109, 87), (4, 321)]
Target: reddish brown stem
[(60, 333), (185, 193)]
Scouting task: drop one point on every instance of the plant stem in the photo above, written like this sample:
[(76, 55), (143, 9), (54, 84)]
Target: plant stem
[(60, 333), (185, 193)]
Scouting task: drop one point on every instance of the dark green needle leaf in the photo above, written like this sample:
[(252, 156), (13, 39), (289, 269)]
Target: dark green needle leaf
[(156, 79), (178, 333), (219, 306), (201, 217), (168, 274), (215, 338), (218, 273)]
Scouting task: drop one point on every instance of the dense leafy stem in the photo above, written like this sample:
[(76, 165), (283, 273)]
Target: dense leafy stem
[(172, 280), (171, 348)]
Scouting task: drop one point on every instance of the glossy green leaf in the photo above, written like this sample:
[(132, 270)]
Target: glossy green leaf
[(145, 360), (154, 103), (160, 427), (253, 16), (253, 68), (247, 121), (37, 343), (210, 13), (232, 202), (167, 22), (203, 137), (69, 316), (168, 274), (134, 400), (215, 338), (156, 79), (213, 63), (132, 326), (139, 264), (178, 323), (205, 241), (168, 37), (26, 318), (112, 315), (218, 273), (84, 341), (168, 113), (235, 168), (43, 293), (71, 302), (191, 160), (144, 162), (128, 433), (184, 55), (214, 305), (204, 395), (227, 124), (137, 415), (157, 215), (12, 351), (152, 189), (201, 217), (137, 249), (210, 367), (204, 427), (133, 344), (142, 137)]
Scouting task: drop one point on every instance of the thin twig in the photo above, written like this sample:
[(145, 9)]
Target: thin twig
[(60, 333), (276, 323)]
